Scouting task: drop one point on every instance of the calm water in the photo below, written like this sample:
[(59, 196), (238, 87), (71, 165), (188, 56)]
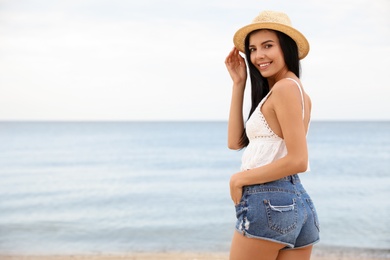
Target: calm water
[(120, 187)]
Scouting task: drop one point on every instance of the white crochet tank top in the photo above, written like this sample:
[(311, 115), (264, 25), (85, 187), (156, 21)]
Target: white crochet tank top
[(264, 145)]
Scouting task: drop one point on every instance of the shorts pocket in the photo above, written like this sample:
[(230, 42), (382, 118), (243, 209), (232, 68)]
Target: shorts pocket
[(282, 214), (313, 210)]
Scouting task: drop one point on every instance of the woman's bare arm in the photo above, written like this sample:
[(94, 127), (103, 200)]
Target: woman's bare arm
[(237, 70)]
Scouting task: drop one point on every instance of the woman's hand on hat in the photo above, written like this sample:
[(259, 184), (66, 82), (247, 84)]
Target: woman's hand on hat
[(236, 66)]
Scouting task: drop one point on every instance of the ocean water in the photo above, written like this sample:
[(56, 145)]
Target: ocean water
[(116, 187)]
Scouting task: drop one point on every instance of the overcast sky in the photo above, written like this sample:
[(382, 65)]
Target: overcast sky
[(164, 60)]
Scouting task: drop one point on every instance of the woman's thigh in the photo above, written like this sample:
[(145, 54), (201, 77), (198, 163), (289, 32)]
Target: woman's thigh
[(295, 254), (244, 248)]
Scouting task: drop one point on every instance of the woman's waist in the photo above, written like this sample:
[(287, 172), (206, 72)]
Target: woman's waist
[(291, 184), (263, 151), (251, 161)]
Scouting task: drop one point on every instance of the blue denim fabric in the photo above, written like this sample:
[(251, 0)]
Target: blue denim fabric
[(279, 211)]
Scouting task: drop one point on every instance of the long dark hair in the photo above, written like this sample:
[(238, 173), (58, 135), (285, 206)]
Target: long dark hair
[(259, 84)]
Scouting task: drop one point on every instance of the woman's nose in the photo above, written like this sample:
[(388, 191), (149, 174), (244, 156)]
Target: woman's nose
[(259, 54)]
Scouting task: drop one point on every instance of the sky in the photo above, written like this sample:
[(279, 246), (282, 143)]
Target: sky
[(88, 60)]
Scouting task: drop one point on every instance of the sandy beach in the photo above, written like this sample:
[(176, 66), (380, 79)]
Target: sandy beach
[(167, 256), (318, 254)]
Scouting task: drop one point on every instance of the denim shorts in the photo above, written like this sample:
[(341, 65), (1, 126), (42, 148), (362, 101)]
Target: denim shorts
[(279, 211)]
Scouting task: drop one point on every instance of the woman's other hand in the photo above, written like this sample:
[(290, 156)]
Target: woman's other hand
[(235, 188)]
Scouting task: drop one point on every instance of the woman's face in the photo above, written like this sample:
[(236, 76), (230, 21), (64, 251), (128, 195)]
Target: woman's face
[(266, 54)]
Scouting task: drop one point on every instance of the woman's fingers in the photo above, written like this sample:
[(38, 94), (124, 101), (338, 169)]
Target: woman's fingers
[(229, 58), (234, 55)]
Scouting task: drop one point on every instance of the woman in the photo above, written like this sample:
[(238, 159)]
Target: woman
[(276, 218)]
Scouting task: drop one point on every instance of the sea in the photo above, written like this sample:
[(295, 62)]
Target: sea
[(119, 187)]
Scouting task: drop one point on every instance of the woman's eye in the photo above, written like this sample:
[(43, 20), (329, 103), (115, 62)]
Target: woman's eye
[(252, 49), (268, 46)]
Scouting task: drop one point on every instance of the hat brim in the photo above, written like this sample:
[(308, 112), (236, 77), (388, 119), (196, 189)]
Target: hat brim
[(301, 41)]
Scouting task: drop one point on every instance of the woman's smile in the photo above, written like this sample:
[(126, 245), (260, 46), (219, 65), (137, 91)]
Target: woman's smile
[(264, 65)]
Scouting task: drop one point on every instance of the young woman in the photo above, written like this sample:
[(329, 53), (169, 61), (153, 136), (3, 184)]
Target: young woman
[(276, 218)]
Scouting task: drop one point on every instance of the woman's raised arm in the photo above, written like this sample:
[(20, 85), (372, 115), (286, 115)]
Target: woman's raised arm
[(237, 70)]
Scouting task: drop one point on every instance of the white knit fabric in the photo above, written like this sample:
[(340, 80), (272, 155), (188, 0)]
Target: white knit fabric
[(264, 145)]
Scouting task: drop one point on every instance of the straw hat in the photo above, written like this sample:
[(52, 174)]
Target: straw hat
[(275, 21)]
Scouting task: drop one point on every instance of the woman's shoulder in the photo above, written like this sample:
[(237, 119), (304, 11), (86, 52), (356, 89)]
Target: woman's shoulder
[(288, 86), (287, 90)]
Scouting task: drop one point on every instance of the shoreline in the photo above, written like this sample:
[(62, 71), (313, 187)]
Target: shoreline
[(319, 253)]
